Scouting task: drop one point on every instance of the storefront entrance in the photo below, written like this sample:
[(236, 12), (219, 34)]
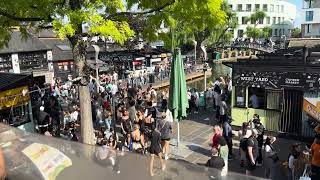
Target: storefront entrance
[(291, 112)]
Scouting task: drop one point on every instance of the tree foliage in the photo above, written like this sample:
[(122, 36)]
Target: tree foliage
[(266, 32), (296, 33)]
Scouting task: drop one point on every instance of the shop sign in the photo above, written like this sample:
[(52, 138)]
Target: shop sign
[(275, 80), (14, 97), (312, 110)]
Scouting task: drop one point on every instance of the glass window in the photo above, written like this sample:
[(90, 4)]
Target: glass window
[(308, 3), (271, 8), (239, 7), (279, 20), (309, 28), (268, 20), (257, 7), (244, 20), (261, 21), (282, 8), (65, 67), (274, 20), (248, 7), (240, 97), (265, 7), (240, 33), (275, 32), (256, 98), (309, 16), (60, 66), (277, 8), (274, 99), (282, 20)]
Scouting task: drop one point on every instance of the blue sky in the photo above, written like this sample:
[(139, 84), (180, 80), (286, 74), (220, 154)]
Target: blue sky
[(298, 3)]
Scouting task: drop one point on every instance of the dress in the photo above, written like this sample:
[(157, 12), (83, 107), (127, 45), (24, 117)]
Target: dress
[(155, 147)]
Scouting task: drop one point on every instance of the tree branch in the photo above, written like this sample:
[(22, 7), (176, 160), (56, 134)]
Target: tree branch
[(158, 9), (10, 16)]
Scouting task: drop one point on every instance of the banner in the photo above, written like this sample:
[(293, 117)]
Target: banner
[(14, 97), (312, 108)]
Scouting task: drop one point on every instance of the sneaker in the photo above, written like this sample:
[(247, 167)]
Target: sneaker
[(166, 157)]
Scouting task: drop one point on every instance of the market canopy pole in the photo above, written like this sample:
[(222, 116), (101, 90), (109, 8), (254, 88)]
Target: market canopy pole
[(178, 101)]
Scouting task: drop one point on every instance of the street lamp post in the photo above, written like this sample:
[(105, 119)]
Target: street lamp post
[(195, 52), (205, 65), (97, 50)]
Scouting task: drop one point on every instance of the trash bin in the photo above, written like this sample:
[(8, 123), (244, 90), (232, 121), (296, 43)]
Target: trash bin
[(151, 78)]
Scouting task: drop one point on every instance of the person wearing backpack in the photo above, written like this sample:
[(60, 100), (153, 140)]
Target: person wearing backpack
[(252, 149)]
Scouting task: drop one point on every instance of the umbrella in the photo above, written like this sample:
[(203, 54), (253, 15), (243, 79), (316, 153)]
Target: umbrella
[(178, 101)]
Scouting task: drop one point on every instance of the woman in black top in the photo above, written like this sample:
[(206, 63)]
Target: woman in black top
[(155, 149)]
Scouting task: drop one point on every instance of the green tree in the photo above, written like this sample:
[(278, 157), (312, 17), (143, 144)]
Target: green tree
[(296, 33), (107, 18), (266, 32), (255, 18)]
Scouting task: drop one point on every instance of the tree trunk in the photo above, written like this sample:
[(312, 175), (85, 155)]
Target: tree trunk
[(87, 134), (79, 55)]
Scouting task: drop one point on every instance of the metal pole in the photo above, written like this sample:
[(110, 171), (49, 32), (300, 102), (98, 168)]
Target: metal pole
[(97, 50), (178, 133), (205, 80)]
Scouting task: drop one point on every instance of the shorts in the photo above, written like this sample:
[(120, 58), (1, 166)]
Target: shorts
[(155, 151), (250, 166), (165, 139)]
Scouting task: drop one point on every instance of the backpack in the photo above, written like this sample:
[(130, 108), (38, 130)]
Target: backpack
[(244, 144)]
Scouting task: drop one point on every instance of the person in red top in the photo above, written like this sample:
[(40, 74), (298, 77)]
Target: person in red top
[(315, 162), (217, 132)]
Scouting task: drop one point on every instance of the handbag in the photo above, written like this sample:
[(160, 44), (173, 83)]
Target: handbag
[(305, 175)]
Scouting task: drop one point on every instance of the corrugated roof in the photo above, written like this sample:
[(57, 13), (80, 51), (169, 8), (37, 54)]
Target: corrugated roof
[(61, 49), (16, 44), (8, 80)]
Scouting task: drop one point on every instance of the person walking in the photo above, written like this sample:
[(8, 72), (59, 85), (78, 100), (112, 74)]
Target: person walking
[(260, 128), (271, 158), (165, 129), (293, 156), (155, 149), (216, 163), (315, 162), (244, 133), (227, 134), (252, 150)]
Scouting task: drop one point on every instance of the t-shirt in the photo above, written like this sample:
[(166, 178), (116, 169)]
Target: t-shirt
[(252, 142), (315, 149), (215, 162), (215, 142)]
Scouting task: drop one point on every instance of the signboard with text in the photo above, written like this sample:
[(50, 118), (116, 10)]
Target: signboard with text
[(277, 80)]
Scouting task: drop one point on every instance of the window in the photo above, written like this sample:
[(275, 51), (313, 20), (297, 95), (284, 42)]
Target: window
[(280, 32), (274, 99), (240, 95), (271, 8), (60, 66), (275, 32), (279, 20), (248, 7), (282, 8), (274, 20), (65, 67), (244, 20), (257, 7), (261, 21), (277, 8), (265, 8), (309, 16), (282, 20), (256, 98), (308, 3), (71, 66), (240, 33), (239, 7), (308, 28), (268, 20)]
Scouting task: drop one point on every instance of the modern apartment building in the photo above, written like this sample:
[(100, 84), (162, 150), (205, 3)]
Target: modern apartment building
[(280, 16), (310, 18)]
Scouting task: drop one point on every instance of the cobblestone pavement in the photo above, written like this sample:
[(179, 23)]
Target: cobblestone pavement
[(196, 134)]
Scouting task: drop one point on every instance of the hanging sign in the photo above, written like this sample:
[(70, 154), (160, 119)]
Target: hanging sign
[(312, 107), (14, 97)]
